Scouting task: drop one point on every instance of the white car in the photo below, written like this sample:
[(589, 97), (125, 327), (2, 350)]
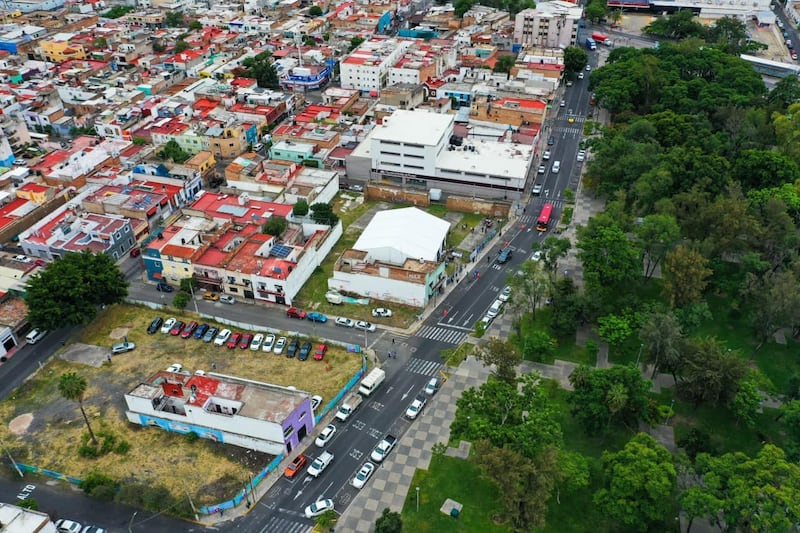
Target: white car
[(546, 155), (68, 526), (345, 322), (175, 367), (269, 342), (227, 299), (319, 507), (257, 341), (315, 401), (365, 326), (542, 169), (320, 463), (588, 68), (363, 475), (537, 256), (168, 325), (505, 294), (580, 75), (279, 346), (222, 337), (581, 155), (326, 436), (122, 347), (432, 386), (416, 407), (537, 189), (381, 312), (562, 104)]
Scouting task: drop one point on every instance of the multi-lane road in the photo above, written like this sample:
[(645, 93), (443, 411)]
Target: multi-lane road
[(418, 356)]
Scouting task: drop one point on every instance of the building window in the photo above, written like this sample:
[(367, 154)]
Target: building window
[(287, 432), (414, 166)]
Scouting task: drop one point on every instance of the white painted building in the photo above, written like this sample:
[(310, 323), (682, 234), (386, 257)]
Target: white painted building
[(398, 258), (254, 415), (550, 24), (367, 67), (401, 150)]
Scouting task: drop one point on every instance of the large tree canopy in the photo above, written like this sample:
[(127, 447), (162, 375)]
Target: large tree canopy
[(70, 290)]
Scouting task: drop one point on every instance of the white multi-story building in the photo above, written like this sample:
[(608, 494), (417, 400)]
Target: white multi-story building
[(421, 148), (550, 24), (367, 67)]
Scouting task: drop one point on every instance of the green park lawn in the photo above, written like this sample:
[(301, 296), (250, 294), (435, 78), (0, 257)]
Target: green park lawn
[(460, 480)]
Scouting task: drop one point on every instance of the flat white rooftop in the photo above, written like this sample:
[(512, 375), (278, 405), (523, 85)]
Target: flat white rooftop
[(418, 127), (491, 158)]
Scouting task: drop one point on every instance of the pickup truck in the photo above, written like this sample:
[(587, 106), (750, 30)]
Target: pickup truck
[(349, 407), (320, 464), (383, 448)]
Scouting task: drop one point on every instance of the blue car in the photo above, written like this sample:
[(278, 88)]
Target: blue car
[(316, 317), (201, 331)]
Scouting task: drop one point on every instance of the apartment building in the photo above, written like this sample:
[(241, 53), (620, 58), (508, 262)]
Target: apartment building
[(550, 24)]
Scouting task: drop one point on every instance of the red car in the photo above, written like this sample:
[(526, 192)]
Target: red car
[(294, 312), (322, 349), (295, 466), (247, 338), (136, 252), (176, 329), (235, 338), (188, 331)]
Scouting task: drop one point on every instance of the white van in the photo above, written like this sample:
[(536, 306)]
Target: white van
[(35, 336), (556, 167), (372, 382), (494, 310)]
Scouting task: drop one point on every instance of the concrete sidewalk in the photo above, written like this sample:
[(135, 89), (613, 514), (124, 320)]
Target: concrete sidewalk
[(392, 481)]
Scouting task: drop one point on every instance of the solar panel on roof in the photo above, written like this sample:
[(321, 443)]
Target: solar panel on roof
[(280, 250)]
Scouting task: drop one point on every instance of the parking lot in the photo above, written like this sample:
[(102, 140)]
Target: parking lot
[(53, 427)]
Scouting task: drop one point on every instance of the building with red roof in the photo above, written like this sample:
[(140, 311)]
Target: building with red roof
[(219, 241)]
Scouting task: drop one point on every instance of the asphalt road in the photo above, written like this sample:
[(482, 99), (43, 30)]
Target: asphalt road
[(418, 359)]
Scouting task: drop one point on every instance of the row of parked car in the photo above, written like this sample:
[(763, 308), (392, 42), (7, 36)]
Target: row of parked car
[(225, 337)]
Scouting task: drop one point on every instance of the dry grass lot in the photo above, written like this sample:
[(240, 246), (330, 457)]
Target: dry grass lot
[(207, 470)]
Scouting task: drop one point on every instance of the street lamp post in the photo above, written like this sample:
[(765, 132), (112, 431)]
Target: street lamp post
[(130, 524), (640, 355), (417, 498)]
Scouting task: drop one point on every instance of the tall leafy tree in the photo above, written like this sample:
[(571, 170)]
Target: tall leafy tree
[(322, 213), (261, 68), (567, 308), (639, 485), (774, 300), (685, 276), (753, 494), (529, 287), (525, 489), (709, 372), (678, 25), (72, 386), (517, 415), (610, 259), (662, 342), (553, 250), (597, 396), (575, 58), (747, 403), (71, 290), (503, 355), (657, 235), (389, 522), (504, 64)]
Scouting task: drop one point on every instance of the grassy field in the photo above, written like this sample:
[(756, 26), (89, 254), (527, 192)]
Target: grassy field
[(461, 481), (155, 456), (565, 349)]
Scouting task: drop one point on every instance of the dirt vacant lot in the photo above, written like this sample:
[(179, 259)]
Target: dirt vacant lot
[(49, 428)]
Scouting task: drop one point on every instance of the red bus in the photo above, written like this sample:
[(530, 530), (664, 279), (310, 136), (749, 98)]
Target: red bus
[(544, 217)]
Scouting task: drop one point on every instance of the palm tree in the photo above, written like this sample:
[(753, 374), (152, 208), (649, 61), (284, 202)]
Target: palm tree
[(73, 387), (662, 338), (616, 398)]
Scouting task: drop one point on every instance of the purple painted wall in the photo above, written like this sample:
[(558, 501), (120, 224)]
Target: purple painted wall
[(302, 417)]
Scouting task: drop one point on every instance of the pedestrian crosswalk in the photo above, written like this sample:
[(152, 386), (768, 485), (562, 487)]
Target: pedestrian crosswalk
[(416, 365), (277, 522), (572, 129), (434, 333)]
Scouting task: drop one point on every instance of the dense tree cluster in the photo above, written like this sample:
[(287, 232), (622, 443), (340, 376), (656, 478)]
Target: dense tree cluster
[(261, 69)]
